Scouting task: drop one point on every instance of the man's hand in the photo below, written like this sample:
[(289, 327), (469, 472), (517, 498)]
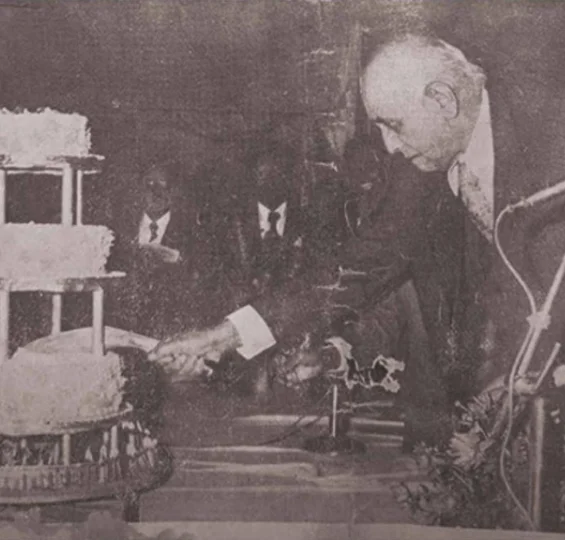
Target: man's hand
[(158, 253), (184, 356), (306, 363)]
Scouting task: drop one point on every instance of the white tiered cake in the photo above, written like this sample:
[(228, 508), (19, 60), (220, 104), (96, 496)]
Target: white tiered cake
[(42, 389), (45, 387), (65, 431)]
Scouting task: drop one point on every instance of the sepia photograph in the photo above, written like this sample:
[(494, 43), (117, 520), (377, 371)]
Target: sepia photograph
[(287, 269)]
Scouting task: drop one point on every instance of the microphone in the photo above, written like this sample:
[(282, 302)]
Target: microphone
[(542, 195)]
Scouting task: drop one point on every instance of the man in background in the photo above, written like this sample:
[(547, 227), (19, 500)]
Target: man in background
[(156, 216), (159, 245), (263, 241)]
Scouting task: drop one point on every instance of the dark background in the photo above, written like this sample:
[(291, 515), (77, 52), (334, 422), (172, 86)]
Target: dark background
[(205, 80)]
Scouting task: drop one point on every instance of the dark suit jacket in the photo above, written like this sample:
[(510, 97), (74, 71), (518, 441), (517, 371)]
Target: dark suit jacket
[(178, 235), (424, 233), (155, 296), (253, 264)]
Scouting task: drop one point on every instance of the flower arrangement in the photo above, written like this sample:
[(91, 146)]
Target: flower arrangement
[(465, 486), (335, 360)]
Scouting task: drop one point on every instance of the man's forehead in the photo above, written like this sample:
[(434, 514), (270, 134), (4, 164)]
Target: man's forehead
[(384, 101), (390, 84)]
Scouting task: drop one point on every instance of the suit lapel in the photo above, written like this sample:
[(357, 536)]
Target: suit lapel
[(179, 231)]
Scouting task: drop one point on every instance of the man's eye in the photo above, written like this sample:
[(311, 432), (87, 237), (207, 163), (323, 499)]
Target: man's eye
[(395, 127), (378, 126)]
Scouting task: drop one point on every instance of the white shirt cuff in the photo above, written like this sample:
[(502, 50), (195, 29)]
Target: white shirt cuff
[(253, 331)]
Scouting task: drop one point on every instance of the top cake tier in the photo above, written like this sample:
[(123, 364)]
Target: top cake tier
[(38, 138)]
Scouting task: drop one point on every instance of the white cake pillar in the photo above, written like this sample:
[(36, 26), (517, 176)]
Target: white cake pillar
[(3, 177), (66, 449), (4, 323), (67, 196), (79, 196), (66, 219), (56, 314), (98, 321)]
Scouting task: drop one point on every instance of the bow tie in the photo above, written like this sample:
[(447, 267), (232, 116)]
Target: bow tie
[(153, 228), (272, 222), (272, 233), (273, 219)]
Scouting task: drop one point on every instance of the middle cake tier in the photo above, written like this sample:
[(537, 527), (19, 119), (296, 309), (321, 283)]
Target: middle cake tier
[(53, 251)]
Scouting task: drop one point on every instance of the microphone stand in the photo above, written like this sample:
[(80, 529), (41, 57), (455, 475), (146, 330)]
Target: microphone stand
[(539, 321), (336, 441)]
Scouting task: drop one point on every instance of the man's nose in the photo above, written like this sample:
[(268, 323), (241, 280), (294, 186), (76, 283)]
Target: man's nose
[(391, 139)]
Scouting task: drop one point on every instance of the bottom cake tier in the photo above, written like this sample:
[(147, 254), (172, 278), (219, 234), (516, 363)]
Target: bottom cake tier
[(100, 463)]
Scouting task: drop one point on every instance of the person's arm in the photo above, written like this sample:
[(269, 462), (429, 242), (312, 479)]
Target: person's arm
[(361, 271), (184, 355), (366, 276)]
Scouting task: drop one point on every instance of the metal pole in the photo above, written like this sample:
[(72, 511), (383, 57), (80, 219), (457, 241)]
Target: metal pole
[(334, 411), (541, 319), (537, 435)]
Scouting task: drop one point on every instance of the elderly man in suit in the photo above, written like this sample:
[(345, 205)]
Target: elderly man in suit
[(465, 142)]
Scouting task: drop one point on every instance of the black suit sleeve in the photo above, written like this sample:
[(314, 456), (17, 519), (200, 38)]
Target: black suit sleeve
[(349, 277)]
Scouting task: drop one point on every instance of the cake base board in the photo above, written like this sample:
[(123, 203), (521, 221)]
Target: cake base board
[(145, 471)]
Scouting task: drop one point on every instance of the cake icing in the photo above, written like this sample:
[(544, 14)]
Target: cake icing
[(39, 389), (53, 251), (33, 138)]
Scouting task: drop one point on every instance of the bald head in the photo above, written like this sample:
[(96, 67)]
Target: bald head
[(424, 95)]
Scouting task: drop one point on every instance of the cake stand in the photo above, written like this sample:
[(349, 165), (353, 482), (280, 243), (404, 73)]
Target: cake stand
[(111, 455), (71, 171), (92, 459), (125, 460)]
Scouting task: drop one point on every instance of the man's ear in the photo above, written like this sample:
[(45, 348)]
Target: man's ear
[(441, 98)]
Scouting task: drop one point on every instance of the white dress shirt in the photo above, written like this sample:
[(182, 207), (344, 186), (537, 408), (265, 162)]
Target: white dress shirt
[(145, 229), (471, 175), (264, 213)]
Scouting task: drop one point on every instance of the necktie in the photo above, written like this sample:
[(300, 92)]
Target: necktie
[(475, 200), (153, 228), (272, 232)]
